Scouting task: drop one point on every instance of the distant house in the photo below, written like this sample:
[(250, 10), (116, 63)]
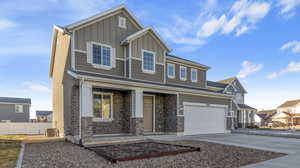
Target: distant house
[(288, 112), (14, 109), (240, 114), (43, 116), (266, 116)]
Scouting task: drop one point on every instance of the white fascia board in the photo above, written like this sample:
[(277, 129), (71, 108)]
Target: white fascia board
[(146, 85)]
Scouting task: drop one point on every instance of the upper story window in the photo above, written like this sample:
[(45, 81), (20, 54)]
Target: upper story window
[(19, 108), (102, 106), (148, 61), (194, 75), (183, 73), (171, 70), (102, 54), (122, 22)]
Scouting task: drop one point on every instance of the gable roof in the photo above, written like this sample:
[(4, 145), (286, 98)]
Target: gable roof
[(216, 84), (43, 113), (15, 100), (186, 61), (229, 82), (290, 103), (102, 14), (143, 32), (245, 106)]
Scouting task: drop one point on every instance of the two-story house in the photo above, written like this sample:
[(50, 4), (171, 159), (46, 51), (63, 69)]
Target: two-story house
[(240, 114), (113, 76), (288, 112), (14, 109), (43, 116)]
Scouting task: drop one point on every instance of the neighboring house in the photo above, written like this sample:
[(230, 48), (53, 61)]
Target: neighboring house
[(288, 113), (241, 115), (43, 116), (112, 76), (266, 116), (14, 109)]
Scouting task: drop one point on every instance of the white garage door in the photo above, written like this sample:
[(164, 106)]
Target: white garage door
[(203, 119)]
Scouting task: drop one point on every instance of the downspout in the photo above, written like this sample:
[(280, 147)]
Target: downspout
[(80, 107)]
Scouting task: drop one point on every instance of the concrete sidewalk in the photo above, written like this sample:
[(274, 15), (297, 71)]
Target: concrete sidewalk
[(288, 146), (275, 133)]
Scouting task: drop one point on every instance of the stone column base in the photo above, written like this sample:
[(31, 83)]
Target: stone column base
[(86, 129), (136, 126)]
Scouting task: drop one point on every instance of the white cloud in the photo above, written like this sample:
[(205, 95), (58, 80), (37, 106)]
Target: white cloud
[(7, 24), (293, 45), (37, 87), (292, 67), (249, 68), (243, 15), (288, 6)]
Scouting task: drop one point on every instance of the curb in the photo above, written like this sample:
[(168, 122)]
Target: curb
[(21, 154)]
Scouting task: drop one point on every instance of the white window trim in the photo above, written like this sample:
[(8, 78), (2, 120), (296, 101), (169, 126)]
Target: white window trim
[(154, 62), (100, 65), (182, 78), (22, 111), (194, 70), (171, 76), (119, 22), (98, 119)]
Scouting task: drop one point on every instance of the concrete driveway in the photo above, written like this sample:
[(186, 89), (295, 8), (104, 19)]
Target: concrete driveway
[(288, 146)]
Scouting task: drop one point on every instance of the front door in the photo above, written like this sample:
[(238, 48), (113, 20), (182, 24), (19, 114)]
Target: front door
[(148, 113)]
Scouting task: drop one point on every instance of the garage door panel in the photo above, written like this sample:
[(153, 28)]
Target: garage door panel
[(203, 120)]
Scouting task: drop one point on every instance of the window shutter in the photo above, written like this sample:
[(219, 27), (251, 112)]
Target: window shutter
[(113, 57), (89, 53)]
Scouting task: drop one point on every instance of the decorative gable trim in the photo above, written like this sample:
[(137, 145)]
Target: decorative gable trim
[(230, 84)]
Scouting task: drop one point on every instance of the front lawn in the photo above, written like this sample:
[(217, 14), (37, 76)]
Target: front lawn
[(9, 150)]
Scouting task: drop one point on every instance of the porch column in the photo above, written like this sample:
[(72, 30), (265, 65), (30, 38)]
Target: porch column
[(136, 124), (86, 111)]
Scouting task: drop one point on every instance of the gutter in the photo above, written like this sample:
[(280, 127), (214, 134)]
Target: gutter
[(136, 84)]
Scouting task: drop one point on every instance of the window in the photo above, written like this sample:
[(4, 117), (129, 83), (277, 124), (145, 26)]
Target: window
[(122, 22), (194, 75), (148, 61), (183, 73), (102, 106), (101, 54), (19, 108), (171, 71)]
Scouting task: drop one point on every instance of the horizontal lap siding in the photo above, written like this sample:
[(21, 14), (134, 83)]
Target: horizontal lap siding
[(81, 64), (7, 112), (137, 73), (201, 77)]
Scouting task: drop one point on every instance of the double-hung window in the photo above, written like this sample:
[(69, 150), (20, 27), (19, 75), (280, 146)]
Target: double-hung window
[(171, 70), (103, 106), (18, 108), (148, 61), (183, 73), (102, 55), (194, 75)]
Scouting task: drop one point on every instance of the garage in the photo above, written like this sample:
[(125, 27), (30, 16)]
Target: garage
[(204, 119)]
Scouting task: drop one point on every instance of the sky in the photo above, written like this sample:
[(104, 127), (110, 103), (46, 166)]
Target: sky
[(256, 40)]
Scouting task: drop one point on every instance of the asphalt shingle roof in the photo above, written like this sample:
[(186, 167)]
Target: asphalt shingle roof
[(216, 84), (227, 81), (245, 106), (15, 100), (290, 103), (43, 113)]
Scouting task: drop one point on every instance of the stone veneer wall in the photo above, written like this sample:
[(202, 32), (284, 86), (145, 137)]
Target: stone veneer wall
[(171, 113), (136, 126), (75, 111), (160, 113), (121, 117)]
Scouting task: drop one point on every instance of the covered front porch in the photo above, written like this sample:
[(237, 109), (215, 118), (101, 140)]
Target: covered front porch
[(108, 111), (245, 115)]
